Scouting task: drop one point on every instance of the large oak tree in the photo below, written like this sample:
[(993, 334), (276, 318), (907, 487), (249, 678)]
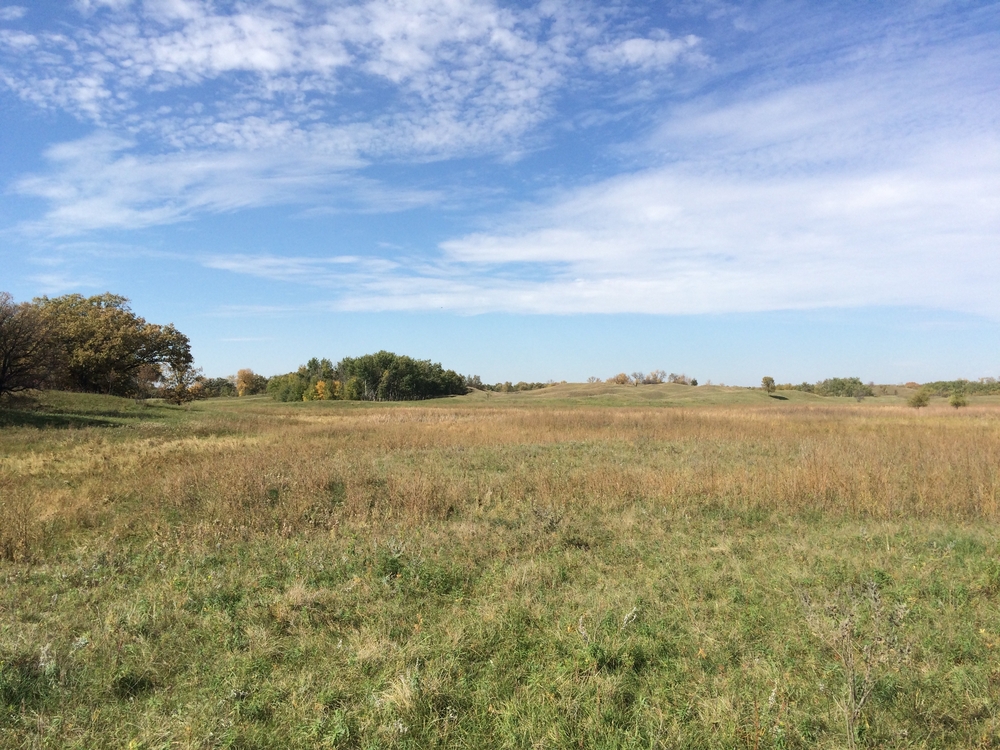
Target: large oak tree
[(101, 346)]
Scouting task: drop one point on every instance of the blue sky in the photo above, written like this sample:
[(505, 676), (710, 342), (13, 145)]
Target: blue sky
[(519, 190)]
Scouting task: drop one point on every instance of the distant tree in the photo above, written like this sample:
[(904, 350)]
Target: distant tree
[(180, 384), (958, 399), (980, 387), (593, 379), (243, 381), (637, 378), (919, 400), (844, 387), (620, 379), (216, 387), (694, 381), (24, 348), (354, 389), (249, 383), (767, 383), (519, 386), (290, 387)]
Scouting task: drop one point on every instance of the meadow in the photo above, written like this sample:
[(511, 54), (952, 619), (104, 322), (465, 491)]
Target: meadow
[(585, 566)]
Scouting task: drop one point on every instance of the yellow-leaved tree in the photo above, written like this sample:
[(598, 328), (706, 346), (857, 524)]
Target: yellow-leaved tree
[(249, 383)]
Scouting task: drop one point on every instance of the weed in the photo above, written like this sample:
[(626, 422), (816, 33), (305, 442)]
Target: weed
[(864, 637)]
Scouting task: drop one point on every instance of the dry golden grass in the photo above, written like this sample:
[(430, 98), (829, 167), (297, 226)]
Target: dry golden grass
[(318, 467)]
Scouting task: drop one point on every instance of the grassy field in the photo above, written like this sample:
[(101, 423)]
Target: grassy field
[(584, 566)]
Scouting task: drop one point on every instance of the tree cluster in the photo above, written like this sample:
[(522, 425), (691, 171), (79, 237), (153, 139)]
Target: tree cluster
[(92, 344), (650, 378), (509, 387), (981, 387), (244, 383), (316, 380), (383, 376), (852, 387), (216, 387)]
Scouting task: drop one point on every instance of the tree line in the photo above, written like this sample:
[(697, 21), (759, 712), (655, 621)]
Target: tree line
[(648, 378), (956, 391), (99, 345), (92, 344), (852, 387)]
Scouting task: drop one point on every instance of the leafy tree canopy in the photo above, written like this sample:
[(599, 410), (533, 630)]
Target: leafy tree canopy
[(100, 345), (852, 387), (383, 376)]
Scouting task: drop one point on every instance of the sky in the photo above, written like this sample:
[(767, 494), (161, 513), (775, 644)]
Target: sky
[(524, 191)]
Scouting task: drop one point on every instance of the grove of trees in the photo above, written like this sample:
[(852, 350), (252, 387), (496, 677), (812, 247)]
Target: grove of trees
[(981, 387), (93, 344), (650, 378), (383, 376), (833, 387)]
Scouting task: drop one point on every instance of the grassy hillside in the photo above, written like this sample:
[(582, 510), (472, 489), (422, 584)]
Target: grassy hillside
[(571, 567), (663, 394)]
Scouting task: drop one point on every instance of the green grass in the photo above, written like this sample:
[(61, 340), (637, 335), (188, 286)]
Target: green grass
[(518, 615)]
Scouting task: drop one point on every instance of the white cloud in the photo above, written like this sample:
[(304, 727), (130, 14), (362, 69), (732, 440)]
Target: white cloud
[(17, 41), (12, 12), (855, 191), (434, 77), (644, 53), (98, 182), (670, 241), (673, 241), (852, 192), (89, 6), (259, 105)]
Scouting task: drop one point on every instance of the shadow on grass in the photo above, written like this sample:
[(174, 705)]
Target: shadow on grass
[(780, 398), (28, 418), (28, 411)]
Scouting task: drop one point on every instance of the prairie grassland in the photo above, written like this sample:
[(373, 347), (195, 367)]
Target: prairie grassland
[(513, 572)]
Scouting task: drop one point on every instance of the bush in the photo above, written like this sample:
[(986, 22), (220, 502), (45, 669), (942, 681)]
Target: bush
[(217, 387), (844, 387), (919, 400)]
